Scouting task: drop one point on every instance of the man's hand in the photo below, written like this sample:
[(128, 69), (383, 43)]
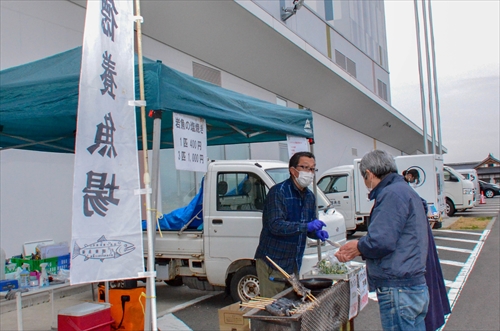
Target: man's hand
[(315, 225), (348, 251), (322, 235)]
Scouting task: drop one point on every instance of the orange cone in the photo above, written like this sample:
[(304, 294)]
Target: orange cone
[(483, 199)]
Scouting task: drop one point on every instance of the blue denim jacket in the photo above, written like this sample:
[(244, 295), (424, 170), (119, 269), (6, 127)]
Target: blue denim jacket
[(395, 247)]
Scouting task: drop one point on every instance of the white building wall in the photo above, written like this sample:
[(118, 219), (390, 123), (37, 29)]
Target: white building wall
[(35, 198), (31, 30), (36, 187)]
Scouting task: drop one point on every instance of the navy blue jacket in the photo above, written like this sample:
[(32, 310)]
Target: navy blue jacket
[(395, 247)]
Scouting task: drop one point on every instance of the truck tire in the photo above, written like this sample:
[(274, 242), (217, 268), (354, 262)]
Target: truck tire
[(177, 281), (244, 284), (450, 208)]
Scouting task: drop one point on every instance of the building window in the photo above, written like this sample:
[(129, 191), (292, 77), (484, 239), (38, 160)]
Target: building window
[(351, 67), (340, 60), (382, 89), (207, 74), (329, 10), (345, 63)]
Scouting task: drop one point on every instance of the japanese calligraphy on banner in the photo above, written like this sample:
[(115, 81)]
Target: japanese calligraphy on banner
[(106, 226), (190, 142), (296, 144)]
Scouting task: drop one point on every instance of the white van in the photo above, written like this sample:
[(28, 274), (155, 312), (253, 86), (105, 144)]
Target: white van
[(459, 191), (471, 174)]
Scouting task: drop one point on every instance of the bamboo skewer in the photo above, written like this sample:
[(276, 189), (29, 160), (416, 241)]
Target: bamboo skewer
[(279, 268), (309, 295)]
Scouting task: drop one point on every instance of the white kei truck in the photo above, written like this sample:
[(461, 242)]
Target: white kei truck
[(344, 186), (219, 253)]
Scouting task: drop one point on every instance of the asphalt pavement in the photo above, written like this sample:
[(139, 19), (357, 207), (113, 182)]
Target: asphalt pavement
[(478, 304), (475, 305)]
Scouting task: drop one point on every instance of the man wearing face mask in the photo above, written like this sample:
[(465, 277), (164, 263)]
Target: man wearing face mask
[(395, 246), (288, 218)]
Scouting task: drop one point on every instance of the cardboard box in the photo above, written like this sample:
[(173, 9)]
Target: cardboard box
[(231, 318)]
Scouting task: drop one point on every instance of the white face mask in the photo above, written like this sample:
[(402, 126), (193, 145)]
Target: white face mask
[(305, 178), (369, 188)]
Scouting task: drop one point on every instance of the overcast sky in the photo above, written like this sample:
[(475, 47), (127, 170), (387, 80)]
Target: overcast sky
[(466, 35)]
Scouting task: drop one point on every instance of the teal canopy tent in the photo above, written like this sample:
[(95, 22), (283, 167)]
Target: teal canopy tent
[(38, 107)]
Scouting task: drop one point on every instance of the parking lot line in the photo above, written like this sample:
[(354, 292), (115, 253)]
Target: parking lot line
[(458, 239), (454, 263), (453, 249), (461, 232)]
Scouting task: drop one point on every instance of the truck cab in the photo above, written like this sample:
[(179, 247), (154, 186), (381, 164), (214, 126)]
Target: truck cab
[(348, 195), (344, 186), (218, 252), (471, 174)]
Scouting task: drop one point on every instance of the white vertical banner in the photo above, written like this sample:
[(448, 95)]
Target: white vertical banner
[(190, 142), (106, 226), (296, 144)]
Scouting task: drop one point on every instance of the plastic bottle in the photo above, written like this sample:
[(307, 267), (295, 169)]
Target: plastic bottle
[(44, 278), (34, 279), (24, 281)]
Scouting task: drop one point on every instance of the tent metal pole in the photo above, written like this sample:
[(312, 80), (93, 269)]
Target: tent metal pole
[(151, 290), (315, 191), (155, 165)]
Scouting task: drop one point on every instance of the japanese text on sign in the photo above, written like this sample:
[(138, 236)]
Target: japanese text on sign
[(190, 142)]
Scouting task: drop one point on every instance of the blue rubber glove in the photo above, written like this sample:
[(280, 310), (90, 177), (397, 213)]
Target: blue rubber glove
[(315, 225), (322, 235)]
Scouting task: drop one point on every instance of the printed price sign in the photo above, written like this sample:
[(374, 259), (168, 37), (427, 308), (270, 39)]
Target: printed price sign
[(296, 144), (353, 305), (190, 142), (363, 288)]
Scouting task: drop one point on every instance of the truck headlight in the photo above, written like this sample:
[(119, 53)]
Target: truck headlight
[(468, 191)]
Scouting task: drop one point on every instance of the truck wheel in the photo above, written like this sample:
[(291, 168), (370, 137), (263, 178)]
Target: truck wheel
[(177, 281), (244, 284), (450, 208)]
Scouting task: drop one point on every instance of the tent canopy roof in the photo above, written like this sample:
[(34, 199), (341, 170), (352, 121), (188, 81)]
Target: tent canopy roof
[(39, 100)]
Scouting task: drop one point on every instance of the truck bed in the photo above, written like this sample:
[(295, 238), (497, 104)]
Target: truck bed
[(175, 245)]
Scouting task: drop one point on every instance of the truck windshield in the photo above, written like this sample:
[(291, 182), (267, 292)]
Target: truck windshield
[(280, 174)]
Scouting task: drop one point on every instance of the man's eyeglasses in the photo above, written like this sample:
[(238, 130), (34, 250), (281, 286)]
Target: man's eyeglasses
[(307, 168)]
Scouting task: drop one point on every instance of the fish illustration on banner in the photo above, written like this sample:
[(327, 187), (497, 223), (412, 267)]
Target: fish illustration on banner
[(103, 249)]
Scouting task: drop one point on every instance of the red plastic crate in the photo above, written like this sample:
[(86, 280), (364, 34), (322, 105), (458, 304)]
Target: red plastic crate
[(85, 317)]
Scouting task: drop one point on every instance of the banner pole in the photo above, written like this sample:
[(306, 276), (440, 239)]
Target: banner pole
[(150, 318)]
